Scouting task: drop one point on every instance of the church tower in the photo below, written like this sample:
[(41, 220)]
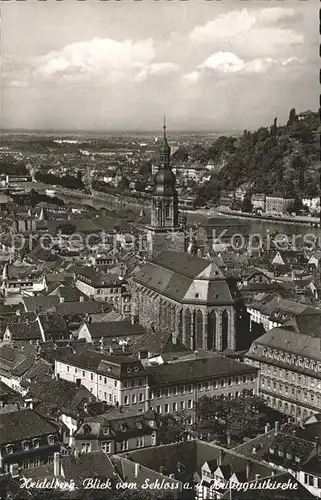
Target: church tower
[(166, 229), (164, 210)]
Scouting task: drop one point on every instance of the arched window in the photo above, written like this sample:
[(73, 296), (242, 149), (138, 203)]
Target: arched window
[(211, 333), (225, 321), (180, 326), (188, 328), (199, 328)]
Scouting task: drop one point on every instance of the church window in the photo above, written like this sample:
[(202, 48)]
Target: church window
[(225, 319)]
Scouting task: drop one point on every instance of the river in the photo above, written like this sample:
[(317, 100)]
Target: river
[(260, 227)]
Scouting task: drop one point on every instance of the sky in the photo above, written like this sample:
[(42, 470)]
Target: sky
[(209, 66)]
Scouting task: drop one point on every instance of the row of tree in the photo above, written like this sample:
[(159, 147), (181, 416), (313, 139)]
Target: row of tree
[(68, 181)]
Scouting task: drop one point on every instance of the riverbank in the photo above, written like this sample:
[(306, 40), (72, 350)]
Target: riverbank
[(296, 221)]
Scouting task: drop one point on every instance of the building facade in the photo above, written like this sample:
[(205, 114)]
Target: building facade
[(118, 381), (290, 371), (27, 440), (278, 205), (189, 296)]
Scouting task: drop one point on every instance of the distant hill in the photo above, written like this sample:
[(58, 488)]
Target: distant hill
[(278, 160)]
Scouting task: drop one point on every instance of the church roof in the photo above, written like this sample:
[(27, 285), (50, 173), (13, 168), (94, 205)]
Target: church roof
[(186, 278)]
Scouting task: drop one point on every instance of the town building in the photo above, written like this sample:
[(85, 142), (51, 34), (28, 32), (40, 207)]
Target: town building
[(176, 385), (18, 366), (190, 296), (118, 430), (289, 362), (118, 380), (272, 310), (27, 440), (258, 201), (313, 204), (277, 204), (111, 333), (104, 289)]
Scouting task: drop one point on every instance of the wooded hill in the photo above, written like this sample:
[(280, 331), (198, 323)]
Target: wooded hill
[(278, 160)]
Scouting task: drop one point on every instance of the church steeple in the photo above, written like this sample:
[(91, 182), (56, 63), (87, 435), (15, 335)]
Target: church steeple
[(164, 150), (165, 202)]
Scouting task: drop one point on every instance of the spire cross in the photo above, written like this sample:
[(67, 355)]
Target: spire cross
[(164, 126)]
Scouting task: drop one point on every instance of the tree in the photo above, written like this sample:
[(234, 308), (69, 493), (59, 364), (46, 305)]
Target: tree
[(146, 168), (123, 183), (244, 416), (171, 430), (247, 204), (140, 186), (292, 117), (180, 154), (295, 207)]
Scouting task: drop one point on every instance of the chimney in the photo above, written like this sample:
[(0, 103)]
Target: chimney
[(14, 470), (221, 457), (267, 428), (276, 428), (1, 404), (174, 338), (228, 438), (137, 467), (81, 298), (317, 444), (248, 469), (56, 464), (293, 432)]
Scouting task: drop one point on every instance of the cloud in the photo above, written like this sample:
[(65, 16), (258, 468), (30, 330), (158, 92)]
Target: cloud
[(100, 61), (257, 32), (223, 61), (96, 56), (228, 63), (191, 77)]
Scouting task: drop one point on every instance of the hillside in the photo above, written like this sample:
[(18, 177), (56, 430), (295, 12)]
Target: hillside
[(274, 160)]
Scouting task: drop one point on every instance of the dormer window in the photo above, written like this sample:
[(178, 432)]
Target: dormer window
[(281, 453), (87, 429), (25, 445), (123, 427), (297, 459), (139, 425), (106, 431), (271, 450), (36, 443), (288, 456), (51, 439), (9, 449)]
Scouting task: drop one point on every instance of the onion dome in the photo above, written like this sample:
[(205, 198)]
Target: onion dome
[(164, 183)]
